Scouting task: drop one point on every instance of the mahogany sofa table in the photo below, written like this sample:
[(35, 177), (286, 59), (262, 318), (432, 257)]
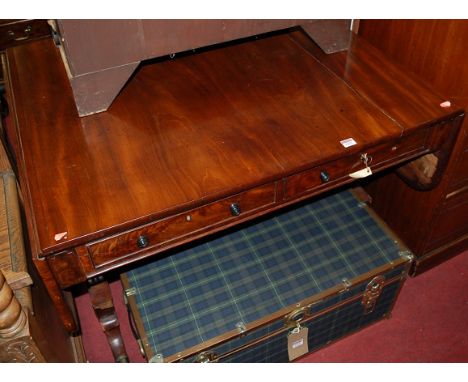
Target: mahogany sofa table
[(199, 143)]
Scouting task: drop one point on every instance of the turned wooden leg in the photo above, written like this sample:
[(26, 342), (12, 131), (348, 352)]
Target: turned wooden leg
[(13, 319), (16, 344), (103, 305)]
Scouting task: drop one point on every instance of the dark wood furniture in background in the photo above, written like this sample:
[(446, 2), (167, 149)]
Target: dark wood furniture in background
[(114, 48), (16, 344), (434, 223), (14, 32), (200, 143)]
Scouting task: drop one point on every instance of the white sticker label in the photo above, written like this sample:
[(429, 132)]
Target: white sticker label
[(297, 343), (60, 236), (348, 142), (445, 104)]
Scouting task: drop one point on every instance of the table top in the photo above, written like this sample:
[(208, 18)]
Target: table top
[(193, 129)]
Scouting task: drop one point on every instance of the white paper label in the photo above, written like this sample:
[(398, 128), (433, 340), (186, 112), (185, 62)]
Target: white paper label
[(348, 142), (361, 173), (297, 343)]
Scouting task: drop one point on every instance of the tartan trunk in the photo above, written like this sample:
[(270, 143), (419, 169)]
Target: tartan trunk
[(318, 256)]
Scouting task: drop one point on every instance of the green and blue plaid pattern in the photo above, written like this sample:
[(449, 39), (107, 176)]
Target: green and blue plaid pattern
[(322, 330), (203, 291)]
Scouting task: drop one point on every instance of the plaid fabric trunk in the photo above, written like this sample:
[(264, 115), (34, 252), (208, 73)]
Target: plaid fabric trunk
[(204, 290)]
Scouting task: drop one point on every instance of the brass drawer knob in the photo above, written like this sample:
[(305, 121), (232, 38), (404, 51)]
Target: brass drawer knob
[(27, 31), (235, 209), (142, 241)]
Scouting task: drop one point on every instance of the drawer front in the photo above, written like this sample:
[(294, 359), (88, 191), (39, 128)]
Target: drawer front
[(156, 235), (332, 172), (14, 32)]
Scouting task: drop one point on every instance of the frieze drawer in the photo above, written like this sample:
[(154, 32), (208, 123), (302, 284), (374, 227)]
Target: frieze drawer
[(15, 32), (158, 234), (376, 157)]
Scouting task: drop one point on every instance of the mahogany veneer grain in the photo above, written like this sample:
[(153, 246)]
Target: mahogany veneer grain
[(191, 131), (183, 132)]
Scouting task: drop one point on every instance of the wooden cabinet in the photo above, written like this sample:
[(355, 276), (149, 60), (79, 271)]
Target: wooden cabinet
[(434, 223)]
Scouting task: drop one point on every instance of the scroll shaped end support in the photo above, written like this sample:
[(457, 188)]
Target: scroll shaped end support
[(423, 173), (426, 172), (103, 305)]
